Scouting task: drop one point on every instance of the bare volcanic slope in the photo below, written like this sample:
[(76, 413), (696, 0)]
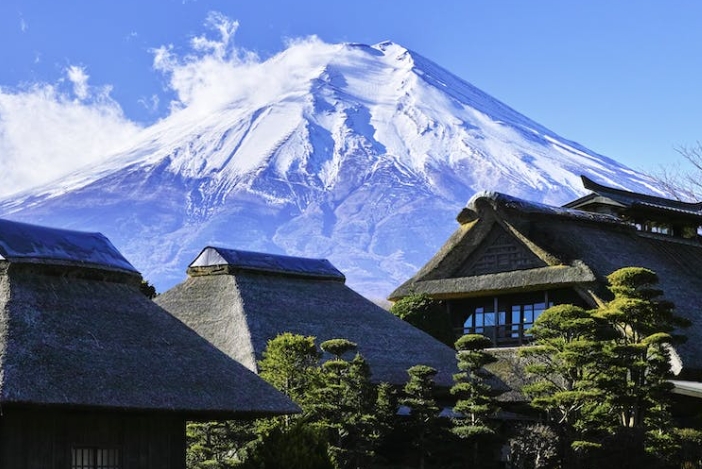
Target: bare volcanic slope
[(361, 154)]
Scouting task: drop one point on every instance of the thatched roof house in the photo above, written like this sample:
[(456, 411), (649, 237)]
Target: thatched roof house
[(510, 259), (92, 369), (239, 300)]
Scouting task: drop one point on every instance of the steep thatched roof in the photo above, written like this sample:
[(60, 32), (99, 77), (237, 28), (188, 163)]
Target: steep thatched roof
[(584, 246), (77, 339), (239, 308)]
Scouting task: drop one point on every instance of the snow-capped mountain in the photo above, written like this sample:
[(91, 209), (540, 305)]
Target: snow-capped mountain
[(359, 154)]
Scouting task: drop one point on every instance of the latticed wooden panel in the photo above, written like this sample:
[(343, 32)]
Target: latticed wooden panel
[(500, 252)]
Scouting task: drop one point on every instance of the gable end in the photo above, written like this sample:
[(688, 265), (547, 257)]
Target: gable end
[(499, 252)]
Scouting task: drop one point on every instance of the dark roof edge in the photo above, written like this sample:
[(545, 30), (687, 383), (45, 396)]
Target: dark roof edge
[(214, 260), (601, 189), (514, 281)]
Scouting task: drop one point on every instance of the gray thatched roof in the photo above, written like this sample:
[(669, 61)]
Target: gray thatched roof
[(239, 311), (88, 341), (25, 243), (585, 246)]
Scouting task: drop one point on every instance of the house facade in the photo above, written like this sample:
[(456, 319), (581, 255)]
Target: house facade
[(510, 259), (93, 373)]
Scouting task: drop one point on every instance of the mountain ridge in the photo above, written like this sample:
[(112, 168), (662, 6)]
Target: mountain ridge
[(363, 156)]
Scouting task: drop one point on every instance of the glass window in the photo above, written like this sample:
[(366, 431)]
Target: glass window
[(95, 458)]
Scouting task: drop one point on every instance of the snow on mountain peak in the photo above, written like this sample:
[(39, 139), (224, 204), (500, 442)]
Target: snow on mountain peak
[(361, 154)]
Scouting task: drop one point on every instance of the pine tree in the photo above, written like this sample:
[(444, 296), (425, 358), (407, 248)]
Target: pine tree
[(566, 360), (475, 404), (427, 314), (346, 406), (290, 363), (637, 385), (424, 411)]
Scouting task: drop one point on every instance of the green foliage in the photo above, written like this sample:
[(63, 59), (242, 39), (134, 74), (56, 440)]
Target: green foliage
[(217, 444), (427, 314), (423, 421), (337, 396), (534, 446), (291, 364), (147, 289), (566, 360), (637, 386), (299, 446), (475, 403), (602, 376)]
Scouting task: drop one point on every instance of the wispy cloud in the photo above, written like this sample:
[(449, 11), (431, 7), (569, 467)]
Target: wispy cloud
[(218, 73), (79, 78), (47, 132)]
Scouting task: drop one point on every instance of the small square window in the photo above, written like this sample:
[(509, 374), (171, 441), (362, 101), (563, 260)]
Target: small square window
[(95, 458)]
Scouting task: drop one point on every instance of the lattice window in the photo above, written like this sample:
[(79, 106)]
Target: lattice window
[(95, 458), (502, 254)]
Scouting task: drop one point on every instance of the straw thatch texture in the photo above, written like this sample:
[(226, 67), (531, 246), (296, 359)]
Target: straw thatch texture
[(586, 246), (241, 310), (81, 342)]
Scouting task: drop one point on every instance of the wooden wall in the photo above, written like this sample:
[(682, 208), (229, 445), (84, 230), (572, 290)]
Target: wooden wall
[(38, 439)]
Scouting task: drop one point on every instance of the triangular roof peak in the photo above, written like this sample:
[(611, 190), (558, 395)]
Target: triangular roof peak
[(217, 260), (23, 243)]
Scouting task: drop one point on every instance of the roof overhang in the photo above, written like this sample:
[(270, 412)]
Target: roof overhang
[(504, 282), (687, 388)]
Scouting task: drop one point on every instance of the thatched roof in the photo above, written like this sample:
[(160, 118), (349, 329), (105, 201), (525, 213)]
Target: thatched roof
[(240, 308), (86, 341), (584, 246), (22, 243)]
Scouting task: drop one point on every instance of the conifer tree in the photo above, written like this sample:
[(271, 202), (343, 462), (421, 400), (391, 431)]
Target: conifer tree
[(475, 402), (424, 411), (565, 360), (637, 385), (346, 406)]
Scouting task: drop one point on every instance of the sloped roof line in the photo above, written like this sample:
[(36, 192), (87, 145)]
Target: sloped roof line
[(629, 198), (33, 244), (213, 256)]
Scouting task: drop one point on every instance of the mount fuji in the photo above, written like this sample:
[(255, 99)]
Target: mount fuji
[(360, 154)]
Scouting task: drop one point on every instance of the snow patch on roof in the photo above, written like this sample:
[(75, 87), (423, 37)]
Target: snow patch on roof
[(274, 263), (25, 243)]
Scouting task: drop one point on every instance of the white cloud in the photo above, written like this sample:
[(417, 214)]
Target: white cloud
[(218, 73), (50, 130), (79, 78), (46, 133)]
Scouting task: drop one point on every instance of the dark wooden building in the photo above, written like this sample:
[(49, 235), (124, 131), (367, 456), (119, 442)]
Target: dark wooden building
[(239, 300), (510, 259), (93, 374)]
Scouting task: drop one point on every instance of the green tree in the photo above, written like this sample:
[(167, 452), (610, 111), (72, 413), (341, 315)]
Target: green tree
[(218, 444), (636, 385), (347, 405), (566, 361), (299, 446), (476, 403), (427, 314), (424, 412), (290, 363)]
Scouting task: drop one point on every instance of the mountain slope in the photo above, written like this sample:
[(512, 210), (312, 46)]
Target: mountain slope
[(363, 155)]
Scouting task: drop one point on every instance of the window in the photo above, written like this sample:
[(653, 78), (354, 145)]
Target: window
[(95, 458), (506, 321)]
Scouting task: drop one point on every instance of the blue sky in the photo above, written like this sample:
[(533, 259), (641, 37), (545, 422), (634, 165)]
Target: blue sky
[(621, 78)]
